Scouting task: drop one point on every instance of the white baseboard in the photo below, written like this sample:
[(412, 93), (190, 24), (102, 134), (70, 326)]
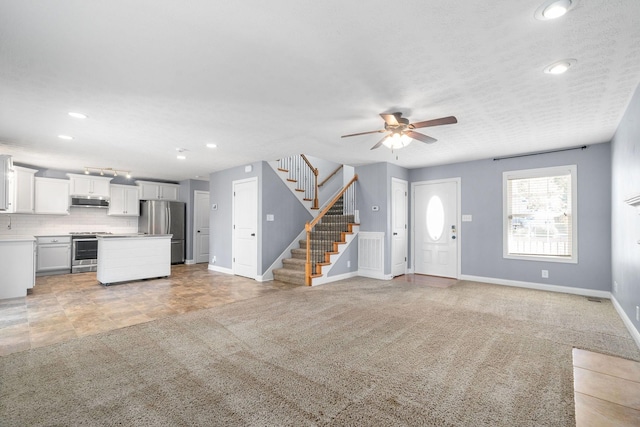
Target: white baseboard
[(220, 269), (189, 261), (267, 277), (627, 322), (324, 280), (539, 286), (374, 274)]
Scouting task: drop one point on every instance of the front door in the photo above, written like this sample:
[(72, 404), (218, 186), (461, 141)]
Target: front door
[(201, 226), (245, 227), (398, 226), (436, 228)]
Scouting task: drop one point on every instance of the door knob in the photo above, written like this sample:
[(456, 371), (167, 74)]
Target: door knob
[(198, 231), (395, 234), (253, 234)]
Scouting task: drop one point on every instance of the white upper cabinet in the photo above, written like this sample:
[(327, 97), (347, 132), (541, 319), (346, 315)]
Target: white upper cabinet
[(158, 191), (51, 196), (21, 190), (89, 186), (124, 201)]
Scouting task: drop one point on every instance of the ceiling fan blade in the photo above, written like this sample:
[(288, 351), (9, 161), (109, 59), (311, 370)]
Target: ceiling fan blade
[(363, 133), (392, 119), (379, 143), (420, 137), (435, 122)]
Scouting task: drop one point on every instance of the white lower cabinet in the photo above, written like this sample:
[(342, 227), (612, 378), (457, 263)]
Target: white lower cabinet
[(53, 255), (16, 265), (51, 196), (124, 201)]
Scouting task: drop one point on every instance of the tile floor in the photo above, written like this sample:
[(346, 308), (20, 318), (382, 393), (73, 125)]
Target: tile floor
[(607, 390), (63, 307)]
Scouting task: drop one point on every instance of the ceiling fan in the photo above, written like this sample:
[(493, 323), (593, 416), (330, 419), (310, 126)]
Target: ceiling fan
[(400, 131)]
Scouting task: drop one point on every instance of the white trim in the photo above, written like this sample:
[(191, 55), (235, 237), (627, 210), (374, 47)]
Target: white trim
[(189, 261), (324, 280), (194, 231), (220, 269), (257, 225), (405, 183), (635, 334), (539, 286), (458, 181), (264, 278), (371, 275), (540, 173)]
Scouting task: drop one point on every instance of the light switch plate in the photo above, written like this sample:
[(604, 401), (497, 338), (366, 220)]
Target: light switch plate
[(467, 218), (270, 217)]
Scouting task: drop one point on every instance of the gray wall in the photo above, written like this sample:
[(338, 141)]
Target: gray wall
[(481, 196), (374, 189), (273, 198), (289, 216), (625, 219)]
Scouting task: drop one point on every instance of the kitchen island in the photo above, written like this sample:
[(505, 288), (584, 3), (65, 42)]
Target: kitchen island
[(125, 257), (17, 265)]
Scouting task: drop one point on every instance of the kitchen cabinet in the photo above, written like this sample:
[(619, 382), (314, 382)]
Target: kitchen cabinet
[(22, 190), (5, 169), (124, 201), (51, 196), (17, 265), (53, 255), (89, 186), (158, 191)]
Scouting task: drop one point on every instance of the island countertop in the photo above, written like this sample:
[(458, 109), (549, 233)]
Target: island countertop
[(134, 235)]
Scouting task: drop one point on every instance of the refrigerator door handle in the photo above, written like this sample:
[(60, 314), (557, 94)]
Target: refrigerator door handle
[(168, 219)]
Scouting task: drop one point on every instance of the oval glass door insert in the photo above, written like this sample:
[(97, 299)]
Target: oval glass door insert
[(435, 218)]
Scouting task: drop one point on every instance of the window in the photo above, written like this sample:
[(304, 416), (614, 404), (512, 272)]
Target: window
[(540, 214)]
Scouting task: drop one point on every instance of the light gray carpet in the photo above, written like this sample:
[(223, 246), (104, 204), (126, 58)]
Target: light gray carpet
[(357, 352)]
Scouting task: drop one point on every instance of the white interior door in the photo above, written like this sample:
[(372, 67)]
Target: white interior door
[(245, 226), (399, 207), (201, 226), (436, 228)]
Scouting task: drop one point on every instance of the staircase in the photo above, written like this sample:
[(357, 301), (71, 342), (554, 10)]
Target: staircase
[(326, 239)]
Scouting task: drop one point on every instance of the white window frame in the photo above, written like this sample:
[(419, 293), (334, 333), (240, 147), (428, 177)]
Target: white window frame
[(538, 173)]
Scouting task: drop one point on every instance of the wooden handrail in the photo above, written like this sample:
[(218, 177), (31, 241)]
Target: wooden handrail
[(317, 219), (309, 226), (315, 178), (324, 181)]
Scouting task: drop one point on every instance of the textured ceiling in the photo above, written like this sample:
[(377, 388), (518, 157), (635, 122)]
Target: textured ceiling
[(264, 80)]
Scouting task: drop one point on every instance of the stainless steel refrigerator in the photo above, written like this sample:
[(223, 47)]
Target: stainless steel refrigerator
[(164, 217)]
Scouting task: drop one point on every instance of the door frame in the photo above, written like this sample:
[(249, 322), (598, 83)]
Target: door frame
[(458, 182), (406, 221), (195, 229), (233, 217)]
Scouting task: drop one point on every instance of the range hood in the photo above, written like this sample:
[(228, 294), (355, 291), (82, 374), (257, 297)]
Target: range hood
[(86, 202)]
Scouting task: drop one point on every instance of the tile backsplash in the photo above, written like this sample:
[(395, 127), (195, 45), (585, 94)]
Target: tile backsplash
[(79, 219)]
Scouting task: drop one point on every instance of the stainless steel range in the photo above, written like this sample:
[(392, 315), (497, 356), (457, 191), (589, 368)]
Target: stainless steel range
[(84, 251)]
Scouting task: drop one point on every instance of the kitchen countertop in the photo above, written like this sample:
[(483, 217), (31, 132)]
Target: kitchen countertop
[(17, 238), (130, 235)]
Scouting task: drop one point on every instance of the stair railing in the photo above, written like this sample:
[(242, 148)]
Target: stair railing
[(304, 174), (331, 175), (328, 228)]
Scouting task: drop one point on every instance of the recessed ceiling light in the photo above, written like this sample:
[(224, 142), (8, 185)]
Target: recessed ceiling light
[(211, 145), (552, 9), (560, 67), (78, 115), (67, 137), (181, 157)]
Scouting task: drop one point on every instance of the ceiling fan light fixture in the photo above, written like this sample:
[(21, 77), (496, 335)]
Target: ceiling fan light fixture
[(396, 141)]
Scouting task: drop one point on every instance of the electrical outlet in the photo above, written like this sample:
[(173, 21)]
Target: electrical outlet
[(213, 260), (638, 313), (615, 286), (348, 264), (545, 274)]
